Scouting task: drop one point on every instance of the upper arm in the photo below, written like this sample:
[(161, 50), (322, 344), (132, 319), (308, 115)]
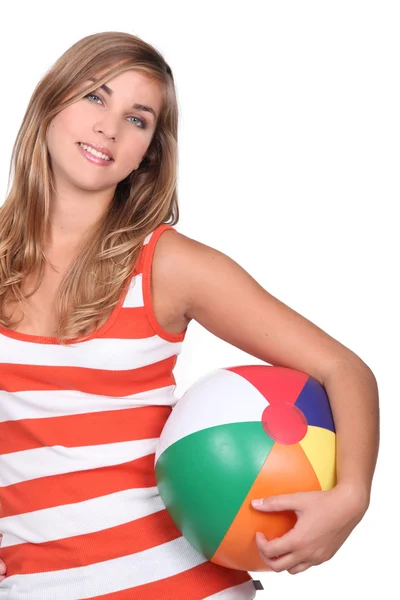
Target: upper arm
[(213, 289)]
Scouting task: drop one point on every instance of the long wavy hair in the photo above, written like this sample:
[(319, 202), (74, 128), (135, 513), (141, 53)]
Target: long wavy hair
[(145, 199)]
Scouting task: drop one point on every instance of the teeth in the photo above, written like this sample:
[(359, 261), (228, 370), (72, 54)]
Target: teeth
[(94, 152)]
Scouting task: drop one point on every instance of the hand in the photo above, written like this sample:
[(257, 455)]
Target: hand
[(325, 519)]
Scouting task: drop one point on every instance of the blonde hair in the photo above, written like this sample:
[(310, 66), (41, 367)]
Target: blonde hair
[(142, 201)]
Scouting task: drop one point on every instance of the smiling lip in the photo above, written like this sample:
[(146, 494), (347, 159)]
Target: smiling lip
[(95, 159), (98, 148)]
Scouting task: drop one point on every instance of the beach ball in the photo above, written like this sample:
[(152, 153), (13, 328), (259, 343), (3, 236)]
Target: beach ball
[(240, 433)]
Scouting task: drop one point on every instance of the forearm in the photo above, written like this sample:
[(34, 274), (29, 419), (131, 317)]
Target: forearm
[(353, 394)]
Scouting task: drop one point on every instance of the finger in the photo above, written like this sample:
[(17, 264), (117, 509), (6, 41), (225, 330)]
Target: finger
[(277, 546), (279, 503), (300, 568), (281, 563)]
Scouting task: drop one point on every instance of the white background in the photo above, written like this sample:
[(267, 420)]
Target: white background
[(289, 163)]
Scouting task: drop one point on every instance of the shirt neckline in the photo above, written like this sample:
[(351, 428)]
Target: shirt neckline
[(42, 339)]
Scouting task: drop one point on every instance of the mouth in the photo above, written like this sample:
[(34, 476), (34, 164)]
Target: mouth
[(102, 156), (97, 148)]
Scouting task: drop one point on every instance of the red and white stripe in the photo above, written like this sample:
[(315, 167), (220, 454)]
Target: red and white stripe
[(81, 515)]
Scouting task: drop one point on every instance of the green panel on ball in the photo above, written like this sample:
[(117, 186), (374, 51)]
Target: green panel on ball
[(204, 477)]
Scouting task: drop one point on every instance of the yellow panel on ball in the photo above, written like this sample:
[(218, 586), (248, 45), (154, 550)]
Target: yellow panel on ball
[(319, 445)]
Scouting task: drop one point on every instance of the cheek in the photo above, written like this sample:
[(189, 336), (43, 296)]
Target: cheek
[(54, 137), (63, 133), (66, 125), (74, 119), (133, 155)]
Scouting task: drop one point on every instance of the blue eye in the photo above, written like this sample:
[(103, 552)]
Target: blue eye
[(142, 122), (93, 95)]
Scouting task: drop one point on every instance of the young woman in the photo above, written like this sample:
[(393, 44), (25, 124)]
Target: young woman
[(97, 290)]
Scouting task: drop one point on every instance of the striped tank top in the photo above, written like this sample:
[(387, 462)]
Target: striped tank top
[(80, 512)]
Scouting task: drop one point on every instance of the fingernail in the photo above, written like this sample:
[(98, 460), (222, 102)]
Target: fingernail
[(257, 502)]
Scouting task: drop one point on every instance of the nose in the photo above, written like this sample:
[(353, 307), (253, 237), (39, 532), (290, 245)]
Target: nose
[(107, 126)]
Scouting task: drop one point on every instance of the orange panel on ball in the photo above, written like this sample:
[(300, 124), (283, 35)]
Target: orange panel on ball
[(287, 470)]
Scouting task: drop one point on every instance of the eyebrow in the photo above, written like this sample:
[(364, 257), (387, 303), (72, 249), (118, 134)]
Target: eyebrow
[(141, 107)]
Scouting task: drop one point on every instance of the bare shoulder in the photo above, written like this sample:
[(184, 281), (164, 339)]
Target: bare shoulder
[(204, 284), (176, 258), (174, 249), (199, 278)]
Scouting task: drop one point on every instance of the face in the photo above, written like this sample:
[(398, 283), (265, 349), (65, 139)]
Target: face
[(107, 119)]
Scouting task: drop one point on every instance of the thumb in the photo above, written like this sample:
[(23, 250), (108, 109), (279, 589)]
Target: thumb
[(278, 503)]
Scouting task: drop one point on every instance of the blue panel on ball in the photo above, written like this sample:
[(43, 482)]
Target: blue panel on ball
[(314, 403)]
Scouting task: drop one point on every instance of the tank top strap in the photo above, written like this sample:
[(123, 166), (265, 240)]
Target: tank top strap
[(148, 247), (143, 270)]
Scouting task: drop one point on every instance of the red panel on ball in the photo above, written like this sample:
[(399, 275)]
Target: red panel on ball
[(276, 384)]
